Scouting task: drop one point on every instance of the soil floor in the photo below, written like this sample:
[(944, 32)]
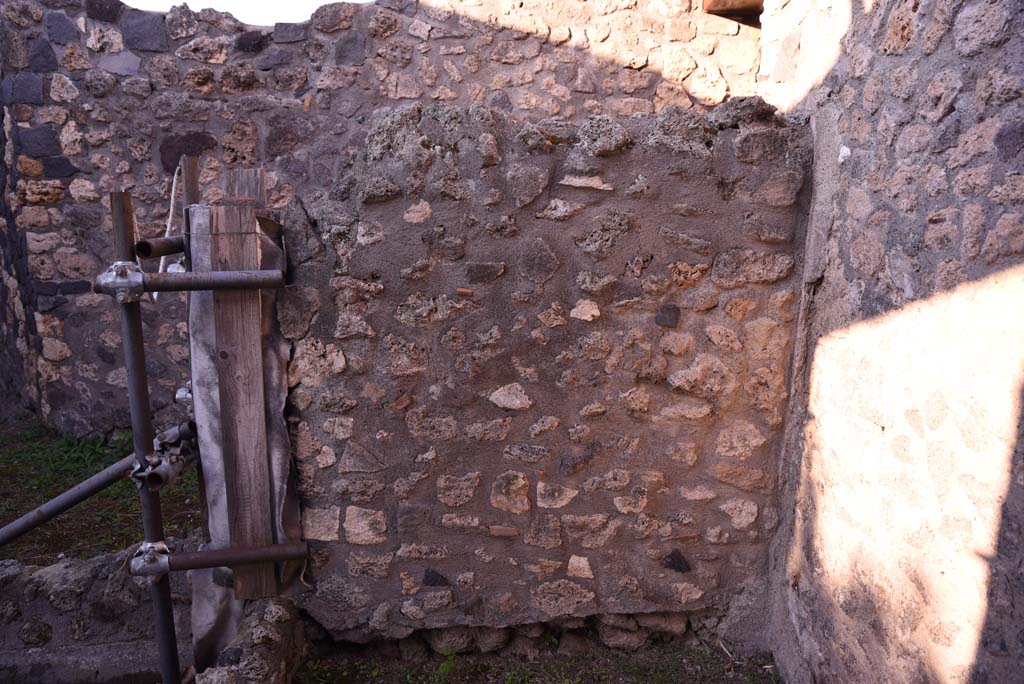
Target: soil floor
[(36, 464), (678, 661)]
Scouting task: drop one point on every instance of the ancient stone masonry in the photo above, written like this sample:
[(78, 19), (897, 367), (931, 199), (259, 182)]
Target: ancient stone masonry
[(92, 610), (541, 292), (554, 367), (102, 97), (900, 481)]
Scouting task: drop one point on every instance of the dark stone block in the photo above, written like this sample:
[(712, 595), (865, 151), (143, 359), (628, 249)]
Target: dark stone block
[(41, 58), (144, 31), (351, 49), (74, 5), (46, 288), (411, 517), (173, 147), (104, 10), (58, 167), (500, 100), (574, 461), (252, 41), (273, 59), (23, 88), (78, 214), (73, 287), (290, 33), (484, 271), (37, 142), (948, 133), (1010, 139), (675, 561), (432, 578), (60, 29), (667, 316)]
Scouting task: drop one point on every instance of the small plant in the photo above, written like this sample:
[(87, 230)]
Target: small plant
[(447, 667), (517, 676)]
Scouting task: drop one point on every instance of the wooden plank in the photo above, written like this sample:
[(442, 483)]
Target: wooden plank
[(245, 186), (235, 246)]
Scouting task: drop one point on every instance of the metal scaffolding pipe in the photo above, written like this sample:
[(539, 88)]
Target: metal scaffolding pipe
[(123, 217), (159, 247), (215, 558), (160, 563), (62, 502), (214, 280)]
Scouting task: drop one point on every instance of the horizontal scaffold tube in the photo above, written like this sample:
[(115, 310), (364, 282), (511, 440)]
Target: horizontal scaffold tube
[(160, 247), (148, 563), (213, 280), (57, 505)]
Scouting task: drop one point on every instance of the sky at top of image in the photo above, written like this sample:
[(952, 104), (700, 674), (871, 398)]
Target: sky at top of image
[(253, 12)]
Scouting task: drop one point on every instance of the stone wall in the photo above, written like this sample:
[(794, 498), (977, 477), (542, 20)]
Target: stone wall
[(76, 76), (899, 559), (541, 299), (81, 621)]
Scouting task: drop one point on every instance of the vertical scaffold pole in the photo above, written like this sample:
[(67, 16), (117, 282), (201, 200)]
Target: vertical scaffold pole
[(123, 217)]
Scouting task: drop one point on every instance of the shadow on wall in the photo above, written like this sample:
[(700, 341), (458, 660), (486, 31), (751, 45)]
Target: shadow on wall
[(906, 562), (293, 99)]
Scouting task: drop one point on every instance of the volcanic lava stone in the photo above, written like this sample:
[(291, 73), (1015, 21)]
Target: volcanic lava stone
[(351, 49), (432, 578), (58, 167), (252, 41), (60, 29), (144, 31), (289, 33), (675, 561), (667, 316), (23, 88), (38, 142), (500, 100), (72, 287), (41, 58), (1010, 140), (173, 147), (273, 59), (104, 10)]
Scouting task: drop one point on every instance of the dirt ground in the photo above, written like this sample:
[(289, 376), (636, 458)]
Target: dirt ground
[(673, 662), (37, 464)]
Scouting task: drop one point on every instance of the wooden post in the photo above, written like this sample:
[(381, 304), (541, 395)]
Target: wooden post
[(234, 246), (229, 241), (189, 196)]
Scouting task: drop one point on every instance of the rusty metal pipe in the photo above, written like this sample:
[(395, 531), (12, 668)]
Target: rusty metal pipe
[(215, 558), (62, 502), (214, 280), (154, 564), (123, 219), (158, 247)]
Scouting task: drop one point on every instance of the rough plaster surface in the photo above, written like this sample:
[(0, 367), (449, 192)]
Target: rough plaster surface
[(899, 556), (542, 298)]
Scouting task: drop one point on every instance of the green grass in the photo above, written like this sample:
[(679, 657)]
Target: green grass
[(36, 464)]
